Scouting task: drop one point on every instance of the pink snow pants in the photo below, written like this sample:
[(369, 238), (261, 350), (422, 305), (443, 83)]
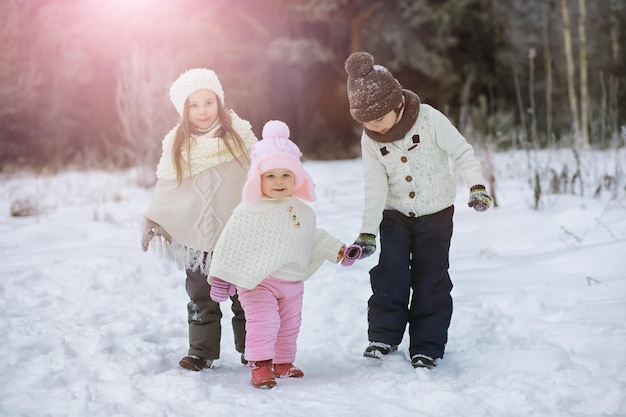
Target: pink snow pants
[(273, 312)]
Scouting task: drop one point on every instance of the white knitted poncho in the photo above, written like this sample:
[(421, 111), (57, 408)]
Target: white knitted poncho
[(195, 212), (275, 237)]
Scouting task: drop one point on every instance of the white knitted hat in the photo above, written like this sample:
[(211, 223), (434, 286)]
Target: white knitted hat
[(191, 81)]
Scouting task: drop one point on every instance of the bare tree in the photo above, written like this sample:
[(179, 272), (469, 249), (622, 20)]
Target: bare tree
[(531, 94), (615, 64), (19, 84), (584, 84), (142, 104), (356, 24), (547, 58), (569, 60), (520, 105)]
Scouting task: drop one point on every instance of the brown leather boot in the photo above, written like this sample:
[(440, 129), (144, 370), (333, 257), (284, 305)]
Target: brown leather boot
[(287, 370), (195, 363), (262, 375)]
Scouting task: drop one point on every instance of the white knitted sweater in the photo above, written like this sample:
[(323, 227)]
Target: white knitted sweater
[(275, 237), (413, 176), (195, 212)]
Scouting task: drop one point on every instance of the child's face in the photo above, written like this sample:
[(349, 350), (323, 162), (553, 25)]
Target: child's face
[(382, 125), (202, 108), (277, 183)]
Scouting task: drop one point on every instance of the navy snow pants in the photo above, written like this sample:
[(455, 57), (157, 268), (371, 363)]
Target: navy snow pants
[(414, 255)]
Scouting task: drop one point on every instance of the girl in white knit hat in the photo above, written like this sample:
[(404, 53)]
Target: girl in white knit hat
[(203, 164), (268, 248)]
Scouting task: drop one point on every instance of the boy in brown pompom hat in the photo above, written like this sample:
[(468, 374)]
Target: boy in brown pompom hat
[(409, 198)]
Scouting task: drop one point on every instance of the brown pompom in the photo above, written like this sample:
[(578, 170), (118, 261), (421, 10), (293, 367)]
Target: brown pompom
[(359, 64)]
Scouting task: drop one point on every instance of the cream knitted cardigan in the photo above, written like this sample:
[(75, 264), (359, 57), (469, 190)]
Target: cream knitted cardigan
[(195, 212), (412, 174), (275, 237)]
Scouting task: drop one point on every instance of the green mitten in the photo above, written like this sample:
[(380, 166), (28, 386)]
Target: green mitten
[(367, 242)]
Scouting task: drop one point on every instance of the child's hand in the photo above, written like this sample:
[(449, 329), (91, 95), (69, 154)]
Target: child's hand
[(146, 238), (367, 242), (342, 253), (152, 230), (352, 253), (221, 290), (479, 199)]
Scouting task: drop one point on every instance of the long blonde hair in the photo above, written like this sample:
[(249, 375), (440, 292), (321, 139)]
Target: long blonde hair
[(183, 139)]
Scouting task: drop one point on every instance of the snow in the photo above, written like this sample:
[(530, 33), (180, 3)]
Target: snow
[(94, 327)]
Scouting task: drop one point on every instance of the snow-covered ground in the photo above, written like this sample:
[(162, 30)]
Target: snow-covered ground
[(91, 326)]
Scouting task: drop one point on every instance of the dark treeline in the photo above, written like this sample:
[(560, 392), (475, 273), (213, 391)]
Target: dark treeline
[(85, 82)]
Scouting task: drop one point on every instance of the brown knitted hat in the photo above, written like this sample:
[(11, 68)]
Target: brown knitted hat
[(372, 90)]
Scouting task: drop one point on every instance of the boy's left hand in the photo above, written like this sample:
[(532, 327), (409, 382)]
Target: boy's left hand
[(479, 199)]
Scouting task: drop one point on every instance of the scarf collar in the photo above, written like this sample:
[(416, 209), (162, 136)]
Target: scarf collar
[(406, 119), (206, 151)]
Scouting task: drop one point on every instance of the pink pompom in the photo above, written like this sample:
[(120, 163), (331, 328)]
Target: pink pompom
[(275, 129)]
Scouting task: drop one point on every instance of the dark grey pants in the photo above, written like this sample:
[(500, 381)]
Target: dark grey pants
[(204, 317)]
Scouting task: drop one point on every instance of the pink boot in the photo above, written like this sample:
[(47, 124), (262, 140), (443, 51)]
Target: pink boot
[(262, 374), (287, 370)]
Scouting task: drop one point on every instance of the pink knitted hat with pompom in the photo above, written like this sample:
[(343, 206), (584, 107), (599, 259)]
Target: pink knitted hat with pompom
[(275, 150)]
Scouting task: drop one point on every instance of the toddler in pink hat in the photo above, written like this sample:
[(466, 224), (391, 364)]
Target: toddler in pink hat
[(268, 248), (277, 151)]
